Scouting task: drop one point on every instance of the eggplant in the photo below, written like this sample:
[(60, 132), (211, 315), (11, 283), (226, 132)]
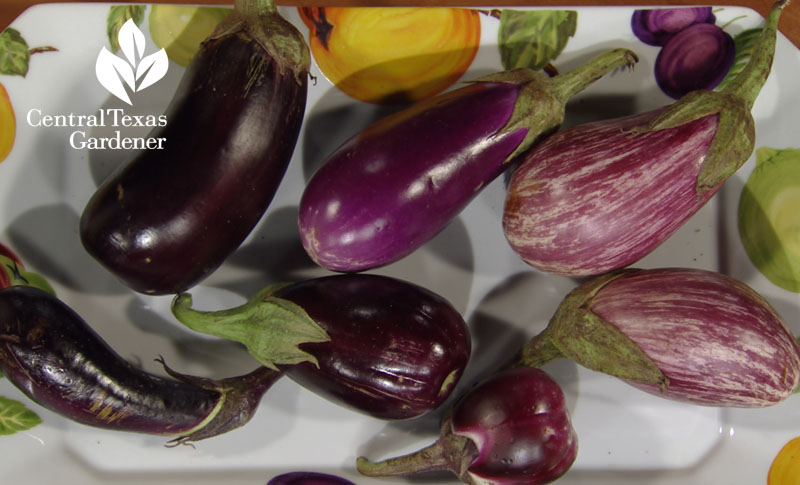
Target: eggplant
[(53, 356), (514, 428), (689, 335), (596, 197), (168, 218), (656, 26), (308, 478), (375, 344), (697, 57), (399, 182)]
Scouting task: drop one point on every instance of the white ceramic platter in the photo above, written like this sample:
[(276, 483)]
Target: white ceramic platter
[(626, 437)]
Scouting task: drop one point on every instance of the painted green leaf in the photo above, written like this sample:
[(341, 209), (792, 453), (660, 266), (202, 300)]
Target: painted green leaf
[(534, 38), (14, 53), (117, 16), (744, 43), (15, 417)]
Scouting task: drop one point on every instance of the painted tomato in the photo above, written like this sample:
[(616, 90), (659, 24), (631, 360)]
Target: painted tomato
[(8, 124), (392, 55)]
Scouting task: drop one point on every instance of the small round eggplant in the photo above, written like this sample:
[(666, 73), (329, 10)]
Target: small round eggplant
[(656, 26), (378, 345), (512, 429), (398, 183), (597, 197), (171, 216), (56, 359), (684, 334)]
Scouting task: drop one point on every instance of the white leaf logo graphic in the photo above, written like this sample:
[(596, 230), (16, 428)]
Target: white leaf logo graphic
[(112, 71)]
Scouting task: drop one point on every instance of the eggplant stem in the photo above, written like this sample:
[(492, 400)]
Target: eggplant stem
[(255, 7), (749, 82), (537, 352), (451, 452), (571, 83)]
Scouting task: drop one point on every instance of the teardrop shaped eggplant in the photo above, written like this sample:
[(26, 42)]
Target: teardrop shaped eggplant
[(398, 183), (690, 335), (385, 347), (168, 218), (53, 356), (600, 196)]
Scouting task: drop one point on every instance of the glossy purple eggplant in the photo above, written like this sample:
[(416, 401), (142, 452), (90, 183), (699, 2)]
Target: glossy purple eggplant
[(398, 183), (690, 335), (512, 429), (375, 344), (56, 359), (600, 196), (656, 26), (168, 218), (697, 57)]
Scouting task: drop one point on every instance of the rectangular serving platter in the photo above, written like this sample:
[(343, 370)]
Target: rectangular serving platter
[(626, 436)]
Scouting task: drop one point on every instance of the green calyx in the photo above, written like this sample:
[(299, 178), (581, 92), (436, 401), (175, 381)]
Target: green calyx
[(271, 328), (578, 334), (260, 20), (734, 140), (541, 101)]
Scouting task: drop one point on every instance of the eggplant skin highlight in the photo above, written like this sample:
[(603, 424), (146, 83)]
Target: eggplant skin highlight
[(170, 217)]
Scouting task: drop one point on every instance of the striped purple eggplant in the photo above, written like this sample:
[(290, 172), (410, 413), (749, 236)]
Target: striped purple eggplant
[(600, 196), (685, 334), (398, 183)]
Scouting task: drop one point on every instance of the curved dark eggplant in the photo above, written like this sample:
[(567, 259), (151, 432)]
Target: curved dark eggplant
[(375, 344), (170, 217), (56, 359)]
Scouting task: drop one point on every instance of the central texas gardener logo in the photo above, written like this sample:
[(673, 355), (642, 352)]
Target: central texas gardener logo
[(134, 70)]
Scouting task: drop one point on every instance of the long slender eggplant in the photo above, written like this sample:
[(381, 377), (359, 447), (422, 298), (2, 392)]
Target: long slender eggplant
[(685, 334), (600, 196), (398, 183), (170, 217), (60, 362), (375, 344), (513, 428)]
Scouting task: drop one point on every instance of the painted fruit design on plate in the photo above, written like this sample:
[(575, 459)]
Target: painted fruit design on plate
[(392, 55)]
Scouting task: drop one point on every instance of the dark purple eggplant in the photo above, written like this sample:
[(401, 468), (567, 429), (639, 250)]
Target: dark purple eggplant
[(600, 196), (375, 344), (398, 183), (697, 57), (657, 26), (308, 478), (170, 217), (514, 428), (684, 334), (60, 362)]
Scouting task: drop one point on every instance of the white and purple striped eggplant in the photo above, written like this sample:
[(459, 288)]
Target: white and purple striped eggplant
[(689, 335), (398, 183), (600, 196)]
